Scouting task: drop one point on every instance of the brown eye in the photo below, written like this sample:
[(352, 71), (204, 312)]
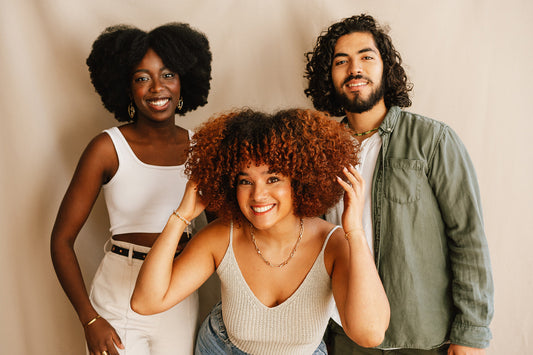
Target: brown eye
[(140, 79), (273, 179)]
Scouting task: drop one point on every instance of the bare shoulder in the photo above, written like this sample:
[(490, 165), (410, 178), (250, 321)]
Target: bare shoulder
[(324, 228), (100, 156), (215, 237), (337, 242), (337, 247), (101, 146)]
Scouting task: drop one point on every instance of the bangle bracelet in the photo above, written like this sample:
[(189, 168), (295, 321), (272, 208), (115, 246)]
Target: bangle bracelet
[(93, 320), (184, 220)]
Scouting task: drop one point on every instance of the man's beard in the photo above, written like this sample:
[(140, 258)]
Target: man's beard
[(357, 104)]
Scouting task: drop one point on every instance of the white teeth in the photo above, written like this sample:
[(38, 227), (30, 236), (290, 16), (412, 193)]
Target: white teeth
[(262, 209), (355, 85), (160, 102)]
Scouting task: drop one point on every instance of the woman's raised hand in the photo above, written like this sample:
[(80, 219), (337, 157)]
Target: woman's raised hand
[(354, 200), (191, 204)]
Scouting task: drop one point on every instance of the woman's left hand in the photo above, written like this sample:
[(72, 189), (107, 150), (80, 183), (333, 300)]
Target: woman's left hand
[(354, 200)]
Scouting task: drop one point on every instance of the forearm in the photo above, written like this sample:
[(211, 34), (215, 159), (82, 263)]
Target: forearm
[(154, 278), (366, 309), (70, 277)]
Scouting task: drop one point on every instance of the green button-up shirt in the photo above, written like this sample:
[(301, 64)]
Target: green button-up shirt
[(429, 242)]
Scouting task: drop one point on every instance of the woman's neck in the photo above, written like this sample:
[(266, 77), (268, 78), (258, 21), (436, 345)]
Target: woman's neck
[(280, 235)]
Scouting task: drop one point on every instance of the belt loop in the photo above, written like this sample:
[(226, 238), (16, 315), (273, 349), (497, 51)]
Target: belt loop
[(130, 254), (106, 245)]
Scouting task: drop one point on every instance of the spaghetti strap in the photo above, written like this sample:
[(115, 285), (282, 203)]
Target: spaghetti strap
[(231, 233), (327, 238)]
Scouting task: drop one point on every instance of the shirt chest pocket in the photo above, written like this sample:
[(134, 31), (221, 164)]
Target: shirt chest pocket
[(403, 179)]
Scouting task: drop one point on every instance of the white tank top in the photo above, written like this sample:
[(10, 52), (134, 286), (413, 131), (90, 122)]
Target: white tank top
[(293, 327), (140, 197)]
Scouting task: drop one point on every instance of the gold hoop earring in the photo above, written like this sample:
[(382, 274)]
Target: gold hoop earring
[(131, 110), (180, 103)]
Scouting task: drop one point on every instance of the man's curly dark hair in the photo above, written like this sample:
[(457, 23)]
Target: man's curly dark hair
[(118, 49), (305, 145), (318, 69)]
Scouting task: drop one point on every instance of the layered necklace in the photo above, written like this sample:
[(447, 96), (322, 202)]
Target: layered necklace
[(286, 261)]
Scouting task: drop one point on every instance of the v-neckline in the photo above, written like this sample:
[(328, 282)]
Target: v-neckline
[(289, 299)]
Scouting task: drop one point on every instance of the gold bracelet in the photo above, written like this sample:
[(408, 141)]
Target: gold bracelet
[(347, 234), (93, 320), (184, 220)]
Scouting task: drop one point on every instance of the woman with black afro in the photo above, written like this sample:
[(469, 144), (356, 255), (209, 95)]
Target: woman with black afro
[(280, 265), (144, 79)]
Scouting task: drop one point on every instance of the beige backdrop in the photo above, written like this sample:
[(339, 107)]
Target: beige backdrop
[(470, 62)]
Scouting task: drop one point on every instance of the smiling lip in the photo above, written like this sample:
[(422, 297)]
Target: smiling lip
[(159, 103), (262, 209), (354, 85)]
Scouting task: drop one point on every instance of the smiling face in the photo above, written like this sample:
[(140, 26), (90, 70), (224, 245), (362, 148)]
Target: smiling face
[(155, 89), (264, 197), (357, 71)]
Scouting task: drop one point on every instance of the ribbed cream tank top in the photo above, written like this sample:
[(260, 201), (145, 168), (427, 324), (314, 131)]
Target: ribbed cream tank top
[(294, 327)]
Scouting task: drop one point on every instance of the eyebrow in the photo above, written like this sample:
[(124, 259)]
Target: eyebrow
[(241, 173), (141, 70), (342, 54)]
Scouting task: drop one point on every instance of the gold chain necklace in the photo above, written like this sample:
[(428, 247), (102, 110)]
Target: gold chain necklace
[(290, 255), (365, 133)]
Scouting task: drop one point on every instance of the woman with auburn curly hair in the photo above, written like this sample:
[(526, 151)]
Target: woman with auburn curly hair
[(144, 78), (281, 266)]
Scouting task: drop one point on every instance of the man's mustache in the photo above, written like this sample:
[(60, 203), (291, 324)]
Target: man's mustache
[(356, 77)]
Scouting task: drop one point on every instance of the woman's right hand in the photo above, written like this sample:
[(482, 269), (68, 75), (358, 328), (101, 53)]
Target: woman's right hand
[(191, 204), (101, 336)]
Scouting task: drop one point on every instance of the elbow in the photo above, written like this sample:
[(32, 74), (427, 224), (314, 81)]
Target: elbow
[(370, 340), (140, 307), (368, 336)]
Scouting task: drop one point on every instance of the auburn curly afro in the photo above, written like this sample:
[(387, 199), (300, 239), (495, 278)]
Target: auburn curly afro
[(120, 48), (305, 145)]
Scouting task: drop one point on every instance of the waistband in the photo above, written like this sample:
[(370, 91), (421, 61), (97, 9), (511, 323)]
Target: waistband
[(131, 250)]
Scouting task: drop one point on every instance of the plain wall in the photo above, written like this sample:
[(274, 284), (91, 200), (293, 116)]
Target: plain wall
[(470, 62)]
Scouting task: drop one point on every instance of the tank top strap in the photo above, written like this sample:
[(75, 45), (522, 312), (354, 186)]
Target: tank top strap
[(327, 238), (231, 235), (121, 144)]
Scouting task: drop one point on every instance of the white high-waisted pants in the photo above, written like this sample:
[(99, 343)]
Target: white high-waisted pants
[(172, 332)]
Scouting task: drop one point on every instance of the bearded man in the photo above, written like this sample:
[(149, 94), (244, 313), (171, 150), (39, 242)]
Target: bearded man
[(422, 217)]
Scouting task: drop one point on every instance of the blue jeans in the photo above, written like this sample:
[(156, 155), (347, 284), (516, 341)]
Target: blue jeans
[(213, 338)]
